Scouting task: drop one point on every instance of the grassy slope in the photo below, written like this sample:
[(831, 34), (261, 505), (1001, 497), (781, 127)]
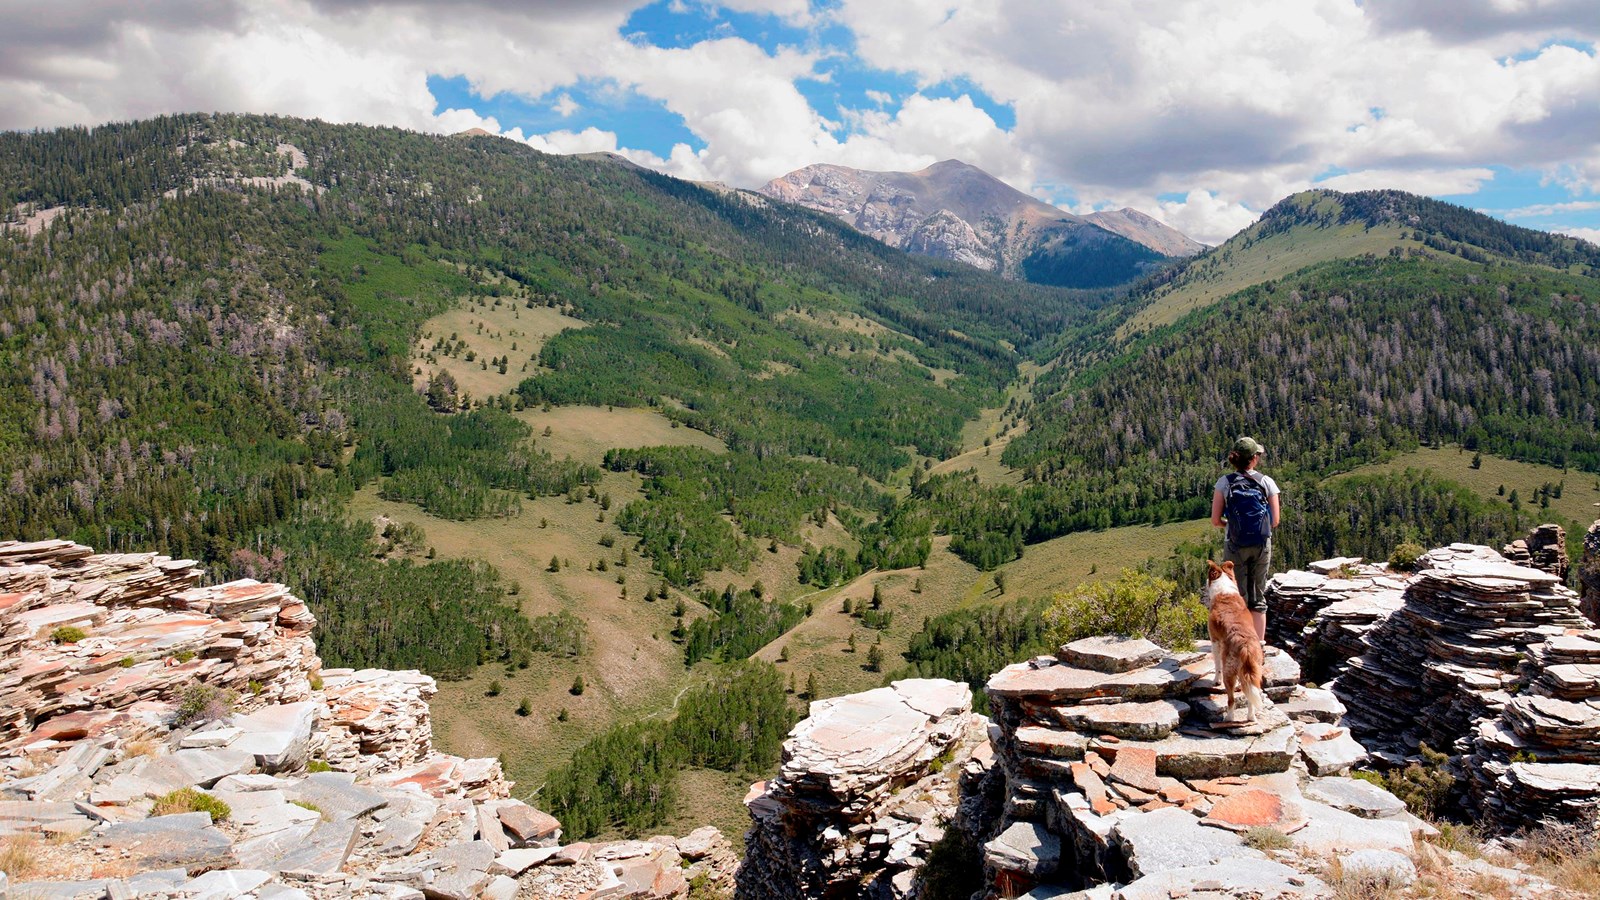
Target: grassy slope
[(633, 668), (491, 327), (1576, 508), (993, 426), (1233, 267), (820, 644)]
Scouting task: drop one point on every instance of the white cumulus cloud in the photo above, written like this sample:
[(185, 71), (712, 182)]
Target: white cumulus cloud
[(1229, 104)]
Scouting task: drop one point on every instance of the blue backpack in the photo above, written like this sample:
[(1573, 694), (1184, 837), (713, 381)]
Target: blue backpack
[(1249, 512)]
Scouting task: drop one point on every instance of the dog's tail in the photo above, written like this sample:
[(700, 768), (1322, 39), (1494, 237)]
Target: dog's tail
[(1249, 675)]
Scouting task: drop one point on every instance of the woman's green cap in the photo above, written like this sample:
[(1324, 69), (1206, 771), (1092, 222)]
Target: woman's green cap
[(1248, 445)]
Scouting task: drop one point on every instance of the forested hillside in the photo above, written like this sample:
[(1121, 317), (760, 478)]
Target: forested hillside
[(215, 340), (209, 346), (1320, 226), (1343, 363)]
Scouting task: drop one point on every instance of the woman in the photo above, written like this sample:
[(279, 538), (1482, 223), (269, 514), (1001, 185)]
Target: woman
[(1245, 502)]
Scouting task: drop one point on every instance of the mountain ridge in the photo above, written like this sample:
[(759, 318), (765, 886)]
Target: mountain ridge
[(955, 210), (1317, 226)]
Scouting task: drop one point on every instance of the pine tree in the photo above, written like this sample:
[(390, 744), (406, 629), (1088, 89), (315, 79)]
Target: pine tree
[(811, 686)]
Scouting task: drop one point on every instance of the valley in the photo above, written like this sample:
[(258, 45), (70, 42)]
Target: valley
[(553, 426)]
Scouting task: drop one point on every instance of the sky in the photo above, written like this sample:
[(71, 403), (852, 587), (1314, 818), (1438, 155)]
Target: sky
[(1202, 114)]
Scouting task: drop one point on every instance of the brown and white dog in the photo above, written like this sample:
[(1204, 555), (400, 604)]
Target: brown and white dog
[(1235, 650)]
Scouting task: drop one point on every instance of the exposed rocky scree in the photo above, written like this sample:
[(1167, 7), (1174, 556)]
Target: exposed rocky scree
[(132, 694)]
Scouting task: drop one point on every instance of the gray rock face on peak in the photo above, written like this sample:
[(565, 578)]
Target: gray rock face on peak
[(952, 210)]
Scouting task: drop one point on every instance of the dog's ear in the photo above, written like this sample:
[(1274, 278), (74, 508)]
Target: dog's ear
[(1212, 570), (1228, 568)]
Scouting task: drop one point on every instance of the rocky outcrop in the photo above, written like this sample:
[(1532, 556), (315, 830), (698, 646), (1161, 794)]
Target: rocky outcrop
[(1444, 661), (1483, 659), (863, 793), (1322, 614), (137, 699), (1123, 767), (1545, 548), (1538, 763)]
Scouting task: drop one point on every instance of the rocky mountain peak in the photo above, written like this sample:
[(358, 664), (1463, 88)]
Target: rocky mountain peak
[(1001, 228)]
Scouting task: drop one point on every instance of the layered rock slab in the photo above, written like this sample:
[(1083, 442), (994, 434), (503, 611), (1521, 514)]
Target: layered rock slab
[(857, 803)]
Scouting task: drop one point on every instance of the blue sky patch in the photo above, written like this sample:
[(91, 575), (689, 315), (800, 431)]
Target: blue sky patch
[(639, 122)]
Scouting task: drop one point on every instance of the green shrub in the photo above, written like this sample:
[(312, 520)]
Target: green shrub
[(202, 703), (68, 634), (1135, 604), (1426, 786), (187, 800), (318, 765), (1404, 556)]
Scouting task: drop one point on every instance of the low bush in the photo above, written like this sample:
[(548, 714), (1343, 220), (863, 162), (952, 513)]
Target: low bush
[(187, 800), (1136, 604), (1404, 557), (202, 703)]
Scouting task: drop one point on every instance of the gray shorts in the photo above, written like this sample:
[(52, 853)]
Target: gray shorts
[(1250, 568)]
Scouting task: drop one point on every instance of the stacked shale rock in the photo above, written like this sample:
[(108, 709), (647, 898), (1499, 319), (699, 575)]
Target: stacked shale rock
[(1322, 615), (1443, 662), (377, 719), (1539, 762), (90, 741), (1545, 548), (858, 802), (150, 633), (1122, 765)]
